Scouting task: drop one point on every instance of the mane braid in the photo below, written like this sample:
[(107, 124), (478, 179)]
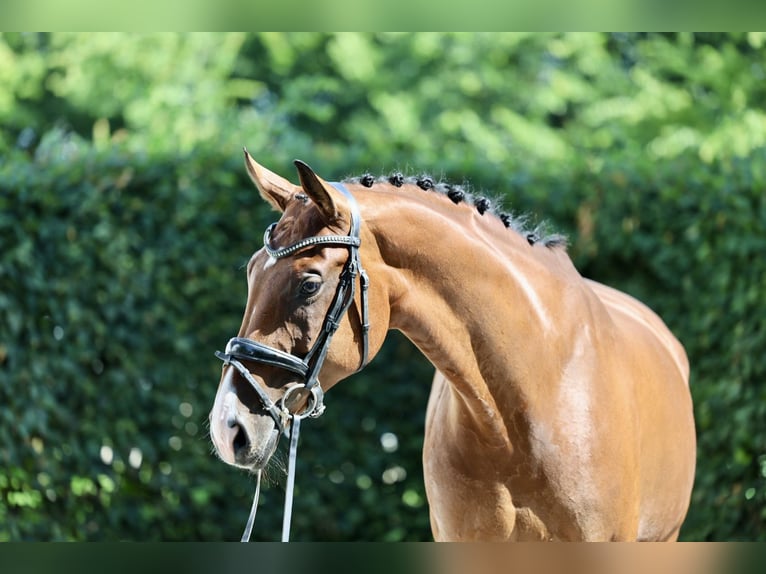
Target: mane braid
[(482, 204), (457, 194)]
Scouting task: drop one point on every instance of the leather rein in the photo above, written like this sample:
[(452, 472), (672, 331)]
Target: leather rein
[(240, 349)]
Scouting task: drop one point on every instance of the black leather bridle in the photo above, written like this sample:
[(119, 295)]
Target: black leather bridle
[(240, 349)]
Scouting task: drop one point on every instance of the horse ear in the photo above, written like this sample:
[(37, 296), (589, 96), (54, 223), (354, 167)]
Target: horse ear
[(273, 188), (318, 190)]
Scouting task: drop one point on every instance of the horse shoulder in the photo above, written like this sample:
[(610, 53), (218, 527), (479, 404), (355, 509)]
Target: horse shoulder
[(630, 314)]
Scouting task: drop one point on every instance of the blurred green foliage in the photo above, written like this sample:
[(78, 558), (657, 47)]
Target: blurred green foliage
[(126, 217)]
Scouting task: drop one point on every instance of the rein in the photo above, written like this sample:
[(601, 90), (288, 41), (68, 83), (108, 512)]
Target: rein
[(240, 349)]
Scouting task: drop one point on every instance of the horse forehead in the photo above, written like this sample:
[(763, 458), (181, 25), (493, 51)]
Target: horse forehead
[(296, 223), (268, 291), (264, 276), (269, 279), (259, 262)]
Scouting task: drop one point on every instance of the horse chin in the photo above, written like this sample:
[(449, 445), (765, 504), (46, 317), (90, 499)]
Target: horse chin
[(257, 460), (261, 445)]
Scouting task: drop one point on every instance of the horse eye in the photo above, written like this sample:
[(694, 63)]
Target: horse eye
[(310, 287)]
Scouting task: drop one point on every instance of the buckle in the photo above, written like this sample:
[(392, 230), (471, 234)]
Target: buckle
[(314, 408)]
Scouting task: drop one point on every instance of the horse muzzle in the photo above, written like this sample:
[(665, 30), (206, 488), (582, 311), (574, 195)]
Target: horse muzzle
[(241, 437)]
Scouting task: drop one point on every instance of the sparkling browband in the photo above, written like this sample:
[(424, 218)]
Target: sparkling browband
[(316, 240)]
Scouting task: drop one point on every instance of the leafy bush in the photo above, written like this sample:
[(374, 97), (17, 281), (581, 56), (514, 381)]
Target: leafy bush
[(126, 216)]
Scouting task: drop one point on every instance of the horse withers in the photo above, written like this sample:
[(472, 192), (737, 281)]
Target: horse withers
[(560, 408)]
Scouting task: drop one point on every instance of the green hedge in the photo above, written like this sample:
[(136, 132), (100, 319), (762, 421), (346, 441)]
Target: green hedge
[(126, 217)]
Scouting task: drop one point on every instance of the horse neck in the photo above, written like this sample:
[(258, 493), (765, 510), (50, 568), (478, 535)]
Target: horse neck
[(473, 296)]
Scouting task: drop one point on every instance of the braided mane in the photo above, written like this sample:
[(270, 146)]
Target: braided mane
[(458, 194)]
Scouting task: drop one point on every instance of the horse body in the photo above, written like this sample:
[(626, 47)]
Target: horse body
[(563, 411), (560, 409)]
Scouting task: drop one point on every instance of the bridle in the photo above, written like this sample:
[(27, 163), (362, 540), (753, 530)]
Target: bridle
[(240, 349)]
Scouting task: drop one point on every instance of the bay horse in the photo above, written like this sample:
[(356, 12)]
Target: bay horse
[(560, 408)]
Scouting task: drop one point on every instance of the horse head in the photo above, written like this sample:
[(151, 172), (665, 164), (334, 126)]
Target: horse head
[(302, 295)]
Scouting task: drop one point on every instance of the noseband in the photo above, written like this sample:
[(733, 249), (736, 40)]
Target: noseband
[(307, 368)]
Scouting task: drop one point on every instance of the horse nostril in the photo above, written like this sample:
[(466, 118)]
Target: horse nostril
[(240, 441)]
